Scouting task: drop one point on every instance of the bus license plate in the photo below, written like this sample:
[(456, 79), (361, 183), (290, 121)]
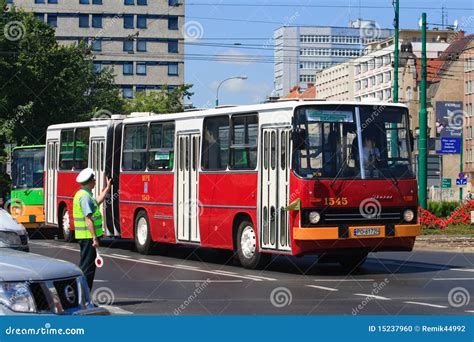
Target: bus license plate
[(366, 231)]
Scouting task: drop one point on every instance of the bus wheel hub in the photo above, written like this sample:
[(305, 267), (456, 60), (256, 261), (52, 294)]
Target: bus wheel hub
[(142, 231), (248, 242)]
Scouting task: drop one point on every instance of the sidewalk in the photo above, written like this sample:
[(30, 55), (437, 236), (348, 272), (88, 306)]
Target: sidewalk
[(445, 243)]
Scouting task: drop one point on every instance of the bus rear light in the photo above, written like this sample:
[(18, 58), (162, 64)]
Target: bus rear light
[(408, 198), (314, 217), (408, 215)]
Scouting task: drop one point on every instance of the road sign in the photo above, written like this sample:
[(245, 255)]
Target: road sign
[(450, 146), (461, 181), (446, 183)]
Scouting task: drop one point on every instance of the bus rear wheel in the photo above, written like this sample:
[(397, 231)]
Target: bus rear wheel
[(65, 225), (143, 241), (352, 263), (247, 252)]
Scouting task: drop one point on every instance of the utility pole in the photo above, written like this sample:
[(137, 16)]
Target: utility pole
[(423, 118), (396, 53)]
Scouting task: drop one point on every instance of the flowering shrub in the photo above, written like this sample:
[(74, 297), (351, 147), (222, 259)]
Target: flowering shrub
[(459, 216)]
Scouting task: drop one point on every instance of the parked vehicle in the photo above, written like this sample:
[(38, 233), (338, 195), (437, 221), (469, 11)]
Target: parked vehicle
[(35, 284), (12, 233)]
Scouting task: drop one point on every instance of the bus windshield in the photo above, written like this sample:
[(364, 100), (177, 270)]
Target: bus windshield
[(349, 142), (27, 168)]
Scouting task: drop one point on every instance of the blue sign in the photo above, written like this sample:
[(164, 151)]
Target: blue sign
[(449, 119), (450, 146), (461, 181)]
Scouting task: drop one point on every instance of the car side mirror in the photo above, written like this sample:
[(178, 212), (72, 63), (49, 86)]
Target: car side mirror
[(298, 136)]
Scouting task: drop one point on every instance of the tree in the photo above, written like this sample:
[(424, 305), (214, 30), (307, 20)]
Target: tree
[(162, 101), (43, 83)]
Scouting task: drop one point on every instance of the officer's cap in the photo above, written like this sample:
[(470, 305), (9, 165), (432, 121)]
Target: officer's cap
[(85, 176)]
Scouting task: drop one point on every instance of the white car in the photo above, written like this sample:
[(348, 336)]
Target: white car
[(12, 233)]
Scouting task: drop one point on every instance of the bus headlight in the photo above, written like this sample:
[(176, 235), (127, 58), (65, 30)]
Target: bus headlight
[(314, 217), (408, 215)]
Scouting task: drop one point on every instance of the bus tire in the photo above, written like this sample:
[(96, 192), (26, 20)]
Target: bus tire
[(143, 241), (247, 252), (65, 225), (352, 263)]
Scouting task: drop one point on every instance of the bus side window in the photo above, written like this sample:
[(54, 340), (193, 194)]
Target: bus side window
[(215, 151), (161, 151), (135, 147), (243, 148), (81, 148), (66, 160)]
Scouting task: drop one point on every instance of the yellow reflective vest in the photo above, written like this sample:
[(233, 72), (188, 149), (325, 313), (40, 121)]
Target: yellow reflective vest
[(81, 230)]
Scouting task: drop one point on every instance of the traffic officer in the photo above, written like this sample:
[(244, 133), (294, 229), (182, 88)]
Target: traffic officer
[(88, 221)]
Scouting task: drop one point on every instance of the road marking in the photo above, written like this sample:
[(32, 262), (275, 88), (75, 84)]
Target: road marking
[(462, 269), (451, 279), (323, 288), (371, 296), (115, 310), (100, 281), (120, 255), (428, 304), (222, 273), (149, 260), (187, 266), (260, 277), (209, 281), (343, 280), (470, 311)]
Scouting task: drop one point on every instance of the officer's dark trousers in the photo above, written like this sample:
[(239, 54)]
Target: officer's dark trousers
[(87, 263)]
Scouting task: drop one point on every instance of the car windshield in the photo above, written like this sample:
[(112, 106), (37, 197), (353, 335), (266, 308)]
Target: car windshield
[(27, 168), (333, 147)]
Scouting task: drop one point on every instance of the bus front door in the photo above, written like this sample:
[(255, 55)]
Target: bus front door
[(274, 187), (51, 182), (187, 204)]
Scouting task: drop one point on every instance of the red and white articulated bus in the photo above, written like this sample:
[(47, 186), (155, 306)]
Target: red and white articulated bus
[(293, 178)]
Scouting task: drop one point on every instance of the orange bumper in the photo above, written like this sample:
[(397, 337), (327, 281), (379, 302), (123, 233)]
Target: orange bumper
[(332, 233), (31, 216)]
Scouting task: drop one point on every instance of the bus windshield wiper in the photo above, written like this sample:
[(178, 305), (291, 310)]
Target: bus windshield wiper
[(343, 167)]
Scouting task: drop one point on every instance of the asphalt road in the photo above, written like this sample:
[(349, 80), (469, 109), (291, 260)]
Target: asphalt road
[(188, 281)]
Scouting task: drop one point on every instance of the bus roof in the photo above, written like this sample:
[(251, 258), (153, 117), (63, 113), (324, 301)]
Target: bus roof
[(29, 147), (278, 105)]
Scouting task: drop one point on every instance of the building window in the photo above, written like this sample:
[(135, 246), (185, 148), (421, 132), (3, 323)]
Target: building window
[(53, 20), (128, 46), (97, 67), (173, 69), (50, 2), (128, 68), (83, 20), (97, 20), (141, 22), (142, 2), (215, 155), (173, 23), (141, 45), (82, 2), (141, 68), (39, 16), (173, 2), (127, 92), (129, 2), (128, 21), (96, 45), (97, 2), (39, 1), (173, 46)]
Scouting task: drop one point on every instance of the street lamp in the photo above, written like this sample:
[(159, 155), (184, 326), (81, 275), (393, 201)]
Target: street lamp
[(228, 79)]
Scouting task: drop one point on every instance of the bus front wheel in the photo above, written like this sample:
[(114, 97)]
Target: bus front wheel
[(143, 241), (247, 252), (67, 232)]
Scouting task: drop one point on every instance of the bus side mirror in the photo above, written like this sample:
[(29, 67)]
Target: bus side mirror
[(298, 136)]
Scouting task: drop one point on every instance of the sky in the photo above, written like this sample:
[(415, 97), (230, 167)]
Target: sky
[(214, 30)]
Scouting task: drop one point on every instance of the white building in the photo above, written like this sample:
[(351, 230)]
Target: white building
[(140, 39), (300, 51)]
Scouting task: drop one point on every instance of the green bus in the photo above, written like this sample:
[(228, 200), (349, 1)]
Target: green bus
[(26, 203)]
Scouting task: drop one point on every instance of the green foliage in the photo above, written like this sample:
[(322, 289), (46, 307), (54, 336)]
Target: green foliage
[(442, 209), (162, 101), (44, 83)]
